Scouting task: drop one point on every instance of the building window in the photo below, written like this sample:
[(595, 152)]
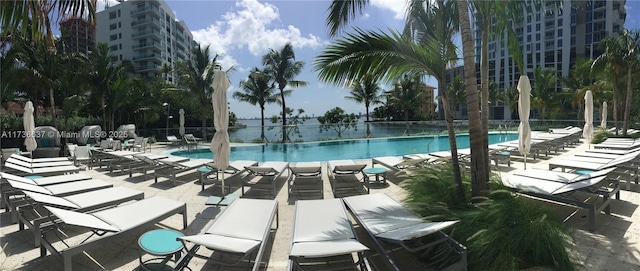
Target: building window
[(119, 24), (560, 22), (528, 28), (113, 47), (118, 13), (119, 35), (120, 46), (113, 37), (559, 32), (559, 43), (537, 46), (537, 27), (112, 15), (113, 26)]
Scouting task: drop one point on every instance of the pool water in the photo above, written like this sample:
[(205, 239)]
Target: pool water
[(344, 149)]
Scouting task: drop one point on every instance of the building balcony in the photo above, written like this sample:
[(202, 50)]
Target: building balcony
[(145, 33), (152, 21), (148, 45), (146, 9), (148, 56), (144, 68)]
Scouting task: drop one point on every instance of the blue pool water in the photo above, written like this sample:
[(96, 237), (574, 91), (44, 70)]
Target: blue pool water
[(344, 149)]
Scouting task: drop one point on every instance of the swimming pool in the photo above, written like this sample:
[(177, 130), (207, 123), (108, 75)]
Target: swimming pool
[(344, 149)]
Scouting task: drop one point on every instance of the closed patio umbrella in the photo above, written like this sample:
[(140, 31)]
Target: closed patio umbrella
[(603, 121), (524, 105), (220, 142), (587, 131), (29, 127), (181, 112)]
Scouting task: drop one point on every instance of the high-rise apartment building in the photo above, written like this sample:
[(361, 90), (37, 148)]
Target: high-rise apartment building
[(551, 37), (78, 35), (148, 34)]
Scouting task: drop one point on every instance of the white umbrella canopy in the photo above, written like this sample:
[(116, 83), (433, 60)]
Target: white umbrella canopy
[(29, 127), (220, 142), (181, 122), (587, 131), (524, 106), (603, 121)]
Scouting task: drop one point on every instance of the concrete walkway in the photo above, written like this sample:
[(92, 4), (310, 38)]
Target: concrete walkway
[(613, 246)]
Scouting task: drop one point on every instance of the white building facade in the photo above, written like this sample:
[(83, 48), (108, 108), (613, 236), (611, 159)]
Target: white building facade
[(551, 38), (148, 34)]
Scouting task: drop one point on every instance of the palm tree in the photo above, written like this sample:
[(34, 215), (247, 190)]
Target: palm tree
[(33, 17), (479, 168), (102, 76), (366, 90), (456, 92), (576, 83), (257, 89), (407, 95), (544, 89), (622, 56), (283, 68), (393, 55), (197, 74)]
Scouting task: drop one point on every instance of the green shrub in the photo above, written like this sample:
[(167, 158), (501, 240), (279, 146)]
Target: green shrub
[(599, 136), (504, 232)]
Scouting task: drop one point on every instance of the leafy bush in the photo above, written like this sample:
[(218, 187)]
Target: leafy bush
[(600, 136), (504, 232)]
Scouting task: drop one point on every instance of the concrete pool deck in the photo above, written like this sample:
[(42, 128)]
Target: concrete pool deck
[(615, 245)]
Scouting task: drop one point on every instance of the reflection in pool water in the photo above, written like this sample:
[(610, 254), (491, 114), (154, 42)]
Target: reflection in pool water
[(344, 149)]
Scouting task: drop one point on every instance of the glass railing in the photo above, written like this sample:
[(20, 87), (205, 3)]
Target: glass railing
[(144, 32), (144, 21)]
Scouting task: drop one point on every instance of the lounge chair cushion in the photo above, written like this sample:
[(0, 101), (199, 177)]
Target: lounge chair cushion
[(131, 215), (416, 231), (223, 243), (326, 248), (82, 219), (240, 221)]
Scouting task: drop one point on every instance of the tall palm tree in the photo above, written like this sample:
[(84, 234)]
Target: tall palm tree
[(544, 89), (257, 89), (479, 168), (282, 67), (197, 74), (393, 55), (622, 56), (34, 17), (102, 76), (576, 83), (407, 95), (367, 91)]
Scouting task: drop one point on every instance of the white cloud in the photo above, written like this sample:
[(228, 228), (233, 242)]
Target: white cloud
[(251, 26), (397, 6)]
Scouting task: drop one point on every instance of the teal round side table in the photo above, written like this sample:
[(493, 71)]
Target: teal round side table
[(377, 172), (163, 243)]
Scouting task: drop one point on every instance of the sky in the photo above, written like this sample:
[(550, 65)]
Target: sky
[(242, 31)]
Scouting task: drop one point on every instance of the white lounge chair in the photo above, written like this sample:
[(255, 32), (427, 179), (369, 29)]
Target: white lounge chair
[(82, 154), (241, 230), (347, 178), (392, 226), (306, 177), (15, 194), (31, 216), (38, 160), (173, 140), (400, 163), (107, 225), (559, 187), (264, 177), (41, 171), (38, 165), (172, 169), (235, 168), (323, 237)]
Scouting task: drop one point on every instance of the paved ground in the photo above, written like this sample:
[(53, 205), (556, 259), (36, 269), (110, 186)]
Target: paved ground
[(613, 246)]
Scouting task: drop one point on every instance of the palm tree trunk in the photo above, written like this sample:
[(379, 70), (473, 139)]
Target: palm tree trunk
[(615, 110), (367, 110), (262, 123), (284, 116), (479, 182), (484, 86), (453, 145), (627, 105), (203, 122), (104, 114), (52, 104)]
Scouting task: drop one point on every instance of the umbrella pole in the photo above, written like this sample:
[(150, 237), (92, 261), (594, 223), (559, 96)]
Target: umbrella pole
[(223, 188), (525, 161)]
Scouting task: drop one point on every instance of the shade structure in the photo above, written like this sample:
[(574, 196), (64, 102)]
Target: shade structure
[(587, 131), (603, 118), (220, 142), (29, 127), (524, 106), (181, 122)]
